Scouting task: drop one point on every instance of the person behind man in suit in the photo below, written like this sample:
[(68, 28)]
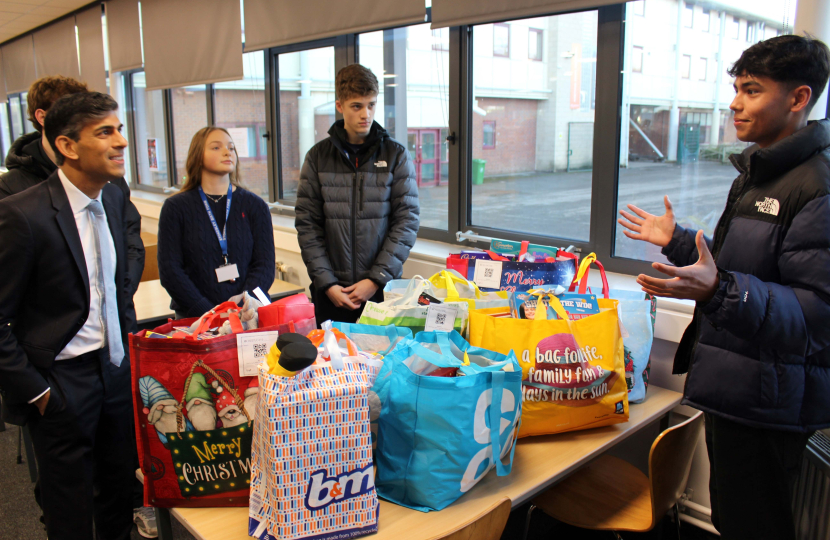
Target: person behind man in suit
[(63, 363), (31, 161)]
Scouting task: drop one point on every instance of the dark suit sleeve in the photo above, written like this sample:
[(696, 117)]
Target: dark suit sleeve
[(19, 379), (135, 246)]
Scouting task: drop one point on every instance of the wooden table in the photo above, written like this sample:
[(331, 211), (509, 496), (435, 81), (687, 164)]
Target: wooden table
[(152, 303), (539, 463)]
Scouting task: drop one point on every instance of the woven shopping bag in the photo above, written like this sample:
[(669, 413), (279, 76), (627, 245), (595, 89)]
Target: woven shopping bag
[(312, 474)]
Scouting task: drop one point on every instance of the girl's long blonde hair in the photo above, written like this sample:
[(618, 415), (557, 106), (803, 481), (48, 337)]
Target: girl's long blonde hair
[(196, 159)]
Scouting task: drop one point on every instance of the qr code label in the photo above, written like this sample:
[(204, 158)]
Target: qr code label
[(488, 273), (440, 319), (260, 350)]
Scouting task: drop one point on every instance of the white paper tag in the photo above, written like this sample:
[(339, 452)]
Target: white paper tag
[(488, 274), (251, 350), (227, 273), (440, 317), (261, 297)]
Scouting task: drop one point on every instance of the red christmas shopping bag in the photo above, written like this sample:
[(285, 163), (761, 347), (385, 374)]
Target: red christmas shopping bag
[(193, 416)]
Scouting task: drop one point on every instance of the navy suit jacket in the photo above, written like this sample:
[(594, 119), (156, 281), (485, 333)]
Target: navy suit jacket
[(44, 290)]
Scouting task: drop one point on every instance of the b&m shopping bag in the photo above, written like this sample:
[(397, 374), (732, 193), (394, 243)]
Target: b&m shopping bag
[(440, 435), (638, 312), (312, 474), (446, 285), (573, 371), (193, 416)]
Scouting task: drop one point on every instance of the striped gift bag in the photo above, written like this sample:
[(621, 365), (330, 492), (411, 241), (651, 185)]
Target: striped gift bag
[(311, 463)]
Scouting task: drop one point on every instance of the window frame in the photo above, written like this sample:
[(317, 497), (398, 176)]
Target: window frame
[(484, 144), (501, 25), (539, 35), (737, 22), (704, 63), (605, 177), (642, 53), (706, 14), (680, 68), (691, 9)]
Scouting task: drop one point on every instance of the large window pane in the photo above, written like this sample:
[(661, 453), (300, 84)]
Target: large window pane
[(189, 105), (240, 108), (27, 125), (4, 131), (17, 117), (412, 67), (120, 95), (150, 134), (306, 81), (677, 131), (533, 126)]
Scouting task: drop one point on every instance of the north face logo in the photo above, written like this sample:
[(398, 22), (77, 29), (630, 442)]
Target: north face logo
[(768, 206), (322, 490)]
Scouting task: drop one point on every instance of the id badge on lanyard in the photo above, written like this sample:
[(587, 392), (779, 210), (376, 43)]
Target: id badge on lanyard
[(227, 271)]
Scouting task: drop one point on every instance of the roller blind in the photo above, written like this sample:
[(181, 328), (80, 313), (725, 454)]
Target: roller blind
[(270, 23), (56, 52), (124, 33), (19, 64), (208, 48), (91, 48), (459, 12)]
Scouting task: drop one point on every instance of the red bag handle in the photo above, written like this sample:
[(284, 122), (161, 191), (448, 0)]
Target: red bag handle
[(581, 276), (216, 313), (495, 256)]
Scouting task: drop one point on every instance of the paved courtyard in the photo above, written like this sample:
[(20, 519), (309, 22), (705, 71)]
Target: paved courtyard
[(559, 204)]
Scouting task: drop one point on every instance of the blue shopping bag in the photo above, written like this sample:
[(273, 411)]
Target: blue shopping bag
[(453, 345), (637, 312), (374, 339), (440, 435)]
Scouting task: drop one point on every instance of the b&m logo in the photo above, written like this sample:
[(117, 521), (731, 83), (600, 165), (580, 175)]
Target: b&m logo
[(324, 490)]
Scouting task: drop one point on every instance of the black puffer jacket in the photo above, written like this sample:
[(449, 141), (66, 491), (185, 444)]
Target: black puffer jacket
[(758, 353), (356, 221), (29, 165)]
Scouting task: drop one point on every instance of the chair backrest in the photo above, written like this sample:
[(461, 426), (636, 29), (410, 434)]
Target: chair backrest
[(669, 462), (488, 525)]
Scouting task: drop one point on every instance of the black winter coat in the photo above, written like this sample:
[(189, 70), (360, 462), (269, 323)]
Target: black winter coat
[(356, 222), (29, 165), (758, 352)]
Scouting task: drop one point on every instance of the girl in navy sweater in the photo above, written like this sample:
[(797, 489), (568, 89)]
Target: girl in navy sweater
[(215, 238)]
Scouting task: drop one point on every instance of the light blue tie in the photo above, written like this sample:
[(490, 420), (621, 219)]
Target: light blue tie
[(105, 283)]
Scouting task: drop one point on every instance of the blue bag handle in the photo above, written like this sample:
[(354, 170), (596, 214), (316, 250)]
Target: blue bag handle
[(443, 341), (495, 425)]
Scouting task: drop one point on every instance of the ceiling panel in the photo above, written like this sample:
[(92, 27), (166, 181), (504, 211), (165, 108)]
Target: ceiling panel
[(21, 16)]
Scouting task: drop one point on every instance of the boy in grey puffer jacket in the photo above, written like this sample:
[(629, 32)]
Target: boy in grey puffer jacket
[(357, 211)]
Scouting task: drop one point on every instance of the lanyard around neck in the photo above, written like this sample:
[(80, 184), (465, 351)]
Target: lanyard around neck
[(222, 236)]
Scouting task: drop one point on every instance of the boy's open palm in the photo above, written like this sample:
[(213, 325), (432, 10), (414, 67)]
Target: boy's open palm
[(656, 230), (696, 282)]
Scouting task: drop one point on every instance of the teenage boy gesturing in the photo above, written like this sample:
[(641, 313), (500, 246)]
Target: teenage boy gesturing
[(757, 352), (357, 211)]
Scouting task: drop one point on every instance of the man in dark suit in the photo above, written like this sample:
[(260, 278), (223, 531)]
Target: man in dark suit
[(31, 161), (63, 333)]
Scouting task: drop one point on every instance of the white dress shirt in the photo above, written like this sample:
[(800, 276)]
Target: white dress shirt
[(91, 336)]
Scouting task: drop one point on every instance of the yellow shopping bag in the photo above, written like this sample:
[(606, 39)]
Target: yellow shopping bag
[(573, 372)]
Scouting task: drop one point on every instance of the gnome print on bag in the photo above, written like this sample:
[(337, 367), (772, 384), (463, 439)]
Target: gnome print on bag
[(160, 407)]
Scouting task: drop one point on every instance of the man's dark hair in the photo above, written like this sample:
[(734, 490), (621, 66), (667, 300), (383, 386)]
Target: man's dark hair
[(789, 59), (70, 114)]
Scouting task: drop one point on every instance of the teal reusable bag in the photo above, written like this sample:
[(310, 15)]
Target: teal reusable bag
[(453, 345), (435, 439), (374, 339), (637, 315)]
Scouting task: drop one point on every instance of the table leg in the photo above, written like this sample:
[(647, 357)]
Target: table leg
[(165, 528), (664, 422)]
